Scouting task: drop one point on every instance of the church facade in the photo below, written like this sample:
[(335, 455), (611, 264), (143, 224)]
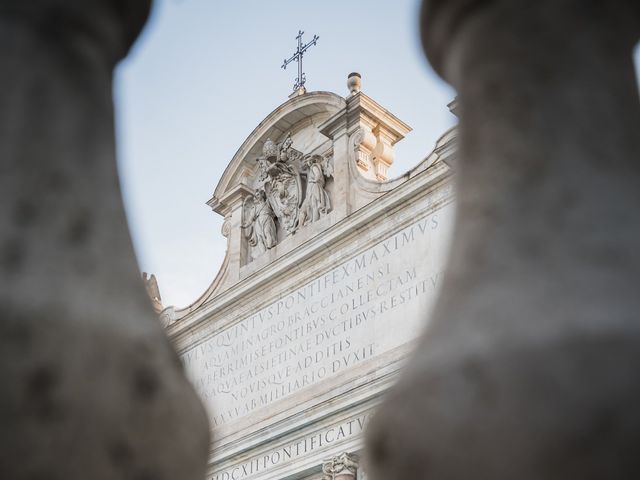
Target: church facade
[(330, 270)]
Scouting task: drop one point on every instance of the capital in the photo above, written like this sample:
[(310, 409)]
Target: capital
[(341, 467)]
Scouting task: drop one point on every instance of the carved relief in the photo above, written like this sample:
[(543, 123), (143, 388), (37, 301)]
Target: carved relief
[(373, 151), (344, 465), (361, 156), (226, 226), (278, 202), (168, 317), (282, 184)]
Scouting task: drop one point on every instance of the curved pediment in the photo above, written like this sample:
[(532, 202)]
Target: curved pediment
[(291, 117), (304, 170)]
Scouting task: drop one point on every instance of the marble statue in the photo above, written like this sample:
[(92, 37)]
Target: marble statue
[(261, 227), (317, 201)]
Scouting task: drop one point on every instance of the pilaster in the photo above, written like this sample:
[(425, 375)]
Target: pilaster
[(373, 131)]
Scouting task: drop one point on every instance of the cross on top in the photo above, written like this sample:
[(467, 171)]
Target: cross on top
[(297, 56)]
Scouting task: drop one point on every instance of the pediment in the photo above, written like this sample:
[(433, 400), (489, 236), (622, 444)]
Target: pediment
[(299, 117), (307, 167)]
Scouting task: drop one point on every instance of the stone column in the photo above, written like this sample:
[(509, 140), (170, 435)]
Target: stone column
[(89, 384), (341, 467), (529, 367)]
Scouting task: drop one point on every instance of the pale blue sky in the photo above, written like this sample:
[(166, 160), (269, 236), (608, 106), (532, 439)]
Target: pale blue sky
[(205, 72)]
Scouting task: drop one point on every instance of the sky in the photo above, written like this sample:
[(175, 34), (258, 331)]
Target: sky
[(205, 73)]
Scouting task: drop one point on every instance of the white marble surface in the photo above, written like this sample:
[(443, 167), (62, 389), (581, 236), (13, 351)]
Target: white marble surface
[(291, 350), (363, 307)]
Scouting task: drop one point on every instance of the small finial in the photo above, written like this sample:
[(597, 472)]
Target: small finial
[(354, 82)]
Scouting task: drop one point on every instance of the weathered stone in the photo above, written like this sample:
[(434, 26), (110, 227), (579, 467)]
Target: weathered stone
[(91, 388), (529, 367), (299, 333)]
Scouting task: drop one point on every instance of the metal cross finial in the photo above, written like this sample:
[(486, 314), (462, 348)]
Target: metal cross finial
[(297, 56)]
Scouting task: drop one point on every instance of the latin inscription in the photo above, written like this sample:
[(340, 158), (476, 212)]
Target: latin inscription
[(366, 306), (299, 448)]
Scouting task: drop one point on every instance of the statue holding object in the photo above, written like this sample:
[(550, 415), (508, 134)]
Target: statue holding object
[(317, 201), (261, 227)]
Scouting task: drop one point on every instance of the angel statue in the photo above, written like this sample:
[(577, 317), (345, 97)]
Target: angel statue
[(260, 226), (151, 285), (317, 201)]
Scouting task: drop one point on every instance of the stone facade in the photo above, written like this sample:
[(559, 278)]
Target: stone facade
[(329, 273)]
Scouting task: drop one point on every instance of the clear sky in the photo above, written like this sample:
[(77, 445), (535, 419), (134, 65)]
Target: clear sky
[(202, 76)]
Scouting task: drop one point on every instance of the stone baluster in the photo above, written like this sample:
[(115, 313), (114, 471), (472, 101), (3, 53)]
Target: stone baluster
[(91, 387), (529, 366)]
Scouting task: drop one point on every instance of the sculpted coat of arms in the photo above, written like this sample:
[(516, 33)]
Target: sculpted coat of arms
[(278, 202)]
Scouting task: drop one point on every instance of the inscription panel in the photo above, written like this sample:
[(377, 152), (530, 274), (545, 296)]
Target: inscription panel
[(362, 308), (295, 449)]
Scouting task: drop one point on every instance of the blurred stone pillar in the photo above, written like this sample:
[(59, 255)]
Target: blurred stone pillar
[(89, 385), (529, 366)]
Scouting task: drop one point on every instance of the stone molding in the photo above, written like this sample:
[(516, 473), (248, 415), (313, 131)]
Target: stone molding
[(418, 186)]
